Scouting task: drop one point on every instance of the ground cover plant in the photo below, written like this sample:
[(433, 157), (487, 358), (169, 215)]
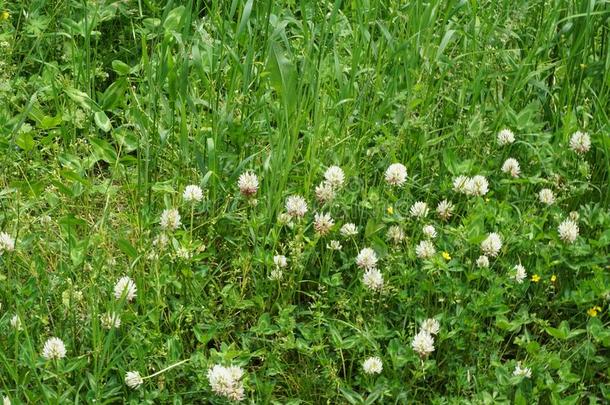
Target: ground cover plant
[(304, 202)]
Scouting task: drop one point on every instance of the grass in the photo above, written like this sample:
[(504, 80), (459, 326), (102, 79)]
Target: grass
[(109, 109)]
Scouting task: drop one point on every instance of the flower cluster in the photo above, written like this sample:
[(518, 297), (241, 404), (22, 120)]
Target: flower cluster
[(226, 381)]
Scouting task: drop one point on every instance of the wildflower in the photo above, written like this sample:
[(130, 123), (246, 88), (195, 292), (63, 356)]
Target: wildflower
[(535, 278), (348, 230), (225, 381), (16, 322), (125, 287), (429, 231), (492, 244), (334, 245), (546, 196), (184, 253), (366, 259), (592, 312), (396, 234), (54, 348), (419, 209), (284, 219), (431, 326), (568, 231), (280, 261), (276, 274), (160, 241), (522, 372), (444, 209), (423, 343), (580, 142), (390, 210), (296, 206), (511, 166), (170, 219), (334, 176), (477, 185), (110, 320), (446, 256), (505, 137), (5, 15), (323, 223), (192, 193), (6, 401), (133, 379), (520, 273), (248, 184), (574, 216), (553, 278), (425, 249), (372, 365), (460, 184), (7, 243), (396, 174), (325, 192), (373, 279), (482, 261)]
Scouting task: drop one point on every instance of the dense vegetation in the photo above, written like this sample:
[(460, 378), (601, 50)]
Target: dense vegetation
[(466, 141)]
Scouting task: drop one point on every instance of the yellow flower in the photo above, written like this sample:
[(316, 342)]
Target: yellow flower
[(5, 15), (486, 199), (553, 278), (535, 278), (390, 210), (592, 312), (446, 256)]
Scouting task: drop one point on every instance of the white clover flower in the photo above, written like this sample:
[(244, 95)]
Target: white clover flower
[(348, 230), (520, 273), (423, 343), (184, 253), (284, 218), (225, 381), (161, 241), (511, 166), (522, 371), (574, 216), (248, 184), (492, 244), (325, 192), (505, 137), (425, 249), (323, 223), (170, 219), (6, 401), (280, 261), (372, 365), (54, 348), (580, 142), (546, 196), (296, 206), (482, 261), (276, 274), (568, 231), (396, 234), (125, 287), (7, 243), (110, 320), (460, 184), (396, 174), (334, 245), (335, 177), (367, 259), (133, 379), (444, 209), (373, 279), (192, 193), (16, 322), (419, 210), (429, 231), (431, 326), (477, 185)]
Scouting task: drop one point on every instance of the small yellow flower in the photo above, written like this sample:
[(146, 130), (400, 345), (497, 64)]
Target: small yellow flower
[(553, 278), (446, 256), (390, 210), (592, 312), (535, 278), (486, 199), (5, 15)]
